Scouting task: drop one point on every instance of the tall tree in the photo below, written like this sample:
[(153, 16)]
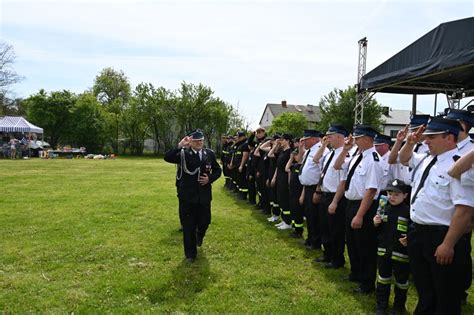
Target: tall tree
[(157, 104), (8, 77), (292, 123), (338, 106), (88, 126), (112, 89), (135, 124), (52, 112)]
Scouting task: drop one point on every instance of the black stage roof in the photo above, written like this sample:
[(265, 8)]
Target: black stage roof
[(442, 61)]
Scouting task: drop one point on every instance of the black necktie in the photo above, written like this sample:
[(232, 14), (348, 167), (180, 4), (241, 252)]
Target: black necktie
[(423, 178), (417, 146), (304, 161), (325, 169), (351, 172)]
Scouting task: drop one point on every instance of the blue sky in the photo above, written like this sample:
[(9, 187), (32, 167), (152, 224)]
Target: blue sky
[(249, 52)]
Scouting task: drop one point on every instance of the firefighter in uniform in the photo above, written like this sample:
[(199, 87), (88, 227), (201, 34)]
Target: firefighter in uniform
[(465, 145), (332, 217), (362, 186), (238, 164), (309, 177), (225, 159), (438, 242), (391, 222), (198, 170)]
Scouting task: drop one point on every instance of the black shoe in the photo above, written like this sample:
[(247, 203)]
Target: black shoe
[(295, 234), (399, 310), (380, 311), (307, 244), (199, 241), (190, 260), (361, 290), (332, 266), (322, 259), (351, 278)]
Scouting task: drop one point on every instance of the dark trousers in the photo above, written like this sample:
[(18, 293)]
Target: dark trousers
[(242, 183), (362, 245), (336, 229), (195, 219), (439, 288), (323, 214), (264, 202), (388, 269), (312, 219), (296, 209), (252, 189)]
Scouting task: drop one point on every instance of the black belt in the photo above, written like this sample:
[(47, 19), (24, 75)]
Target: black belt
[(424, 227), (328, 193), (353, 202), (310, 186)]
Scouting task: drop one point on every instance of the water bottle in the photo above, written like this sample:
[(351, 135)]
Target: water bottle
[(382, 203)]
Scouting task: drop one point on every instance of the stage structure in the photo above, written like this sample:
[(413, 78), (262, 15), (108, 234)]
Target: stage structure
[(441, 61)]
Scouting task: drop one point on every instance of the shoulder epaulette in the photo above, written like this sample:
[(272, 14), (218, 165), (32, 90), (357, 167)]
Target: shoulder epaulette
[(456, 157), (376, 156), (472, 140)]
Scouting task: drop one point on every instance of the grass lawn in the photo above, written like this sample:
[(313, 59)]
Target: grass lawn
[(89, 236)]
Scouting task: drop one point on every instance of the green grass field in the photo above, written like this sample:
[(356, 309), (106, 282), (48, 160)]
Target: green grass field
[(89, 236)]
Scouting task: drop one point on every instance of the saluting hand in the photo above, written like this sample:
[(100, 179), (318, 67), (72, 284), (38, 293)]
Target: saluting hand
[(203, 179), (416, 136), (185, 142), (402, 134), (348, 143)]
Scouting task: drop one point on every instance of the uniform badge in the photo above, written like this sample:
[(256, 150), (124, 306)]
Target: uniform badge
[(376, 156)]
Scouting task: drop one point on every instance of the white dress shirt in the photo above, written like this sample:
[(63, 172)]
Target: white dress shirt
[(368, 174), (311, 172), (436, 200), (333, 176), (465, 146)]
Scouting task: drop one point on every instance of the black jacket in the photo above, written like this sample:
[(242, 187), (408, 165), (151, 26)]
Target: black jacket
[(189, 189), (394, 226)]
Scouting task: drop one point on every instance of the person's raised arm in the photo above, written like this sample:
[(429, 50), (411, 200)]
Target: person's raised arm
[(462, 165), (401, 135), (342, 156), (317, 156), (406, 152)]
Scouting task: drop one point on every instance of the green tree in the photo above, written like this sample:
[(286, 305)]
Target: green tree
[(157, 104), (112, 90), (338, 106), (135, 123), (88, 126), (52, 112), (292, 123)]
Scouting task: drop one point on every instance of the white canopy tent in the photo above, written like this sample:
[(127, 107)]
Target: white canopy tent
[(18, 124)]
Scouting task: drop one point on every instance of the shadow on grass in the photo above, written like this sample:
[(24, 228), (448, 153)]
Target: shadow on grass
[(186, 281)]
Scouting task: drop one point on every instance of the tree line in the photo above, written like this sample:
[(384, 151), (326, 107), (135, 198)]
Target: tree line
[(112, 118)]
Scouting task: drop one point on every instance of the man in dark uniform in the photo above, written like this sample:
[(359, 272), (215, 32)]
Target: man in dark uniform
[(198, 170), (227, 142), (238, 164)]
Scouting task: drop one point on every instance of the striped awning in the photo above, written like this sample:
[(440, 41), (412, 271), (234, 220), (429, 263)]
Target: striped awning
[(17, 124)]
